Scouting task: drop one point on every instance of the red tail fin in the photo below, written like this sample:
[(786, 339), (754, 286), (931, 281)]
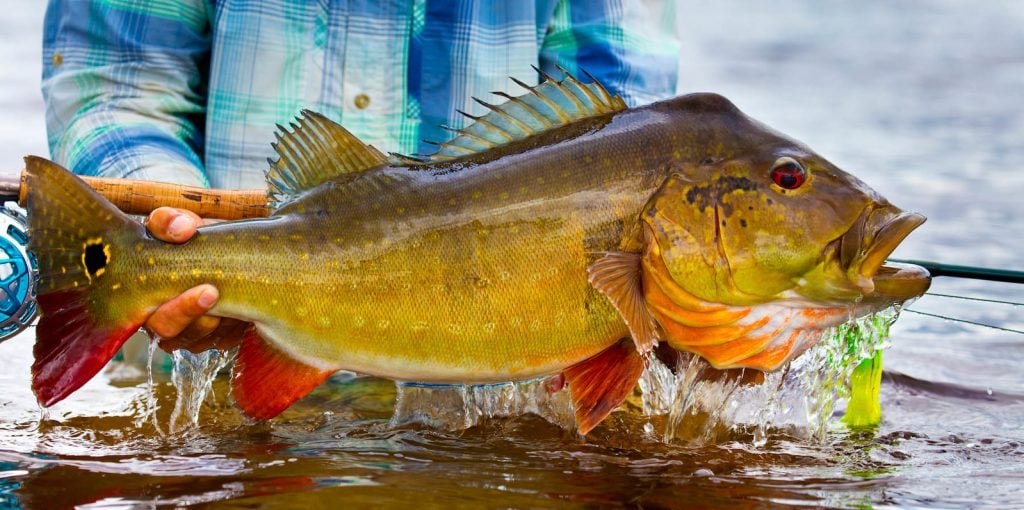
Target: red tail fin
[(73, 233), (70, 349)]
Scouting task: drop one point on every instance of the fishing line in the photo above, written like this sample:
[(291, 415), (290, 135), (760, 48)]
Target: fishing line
[(969, 298), (965, 321)]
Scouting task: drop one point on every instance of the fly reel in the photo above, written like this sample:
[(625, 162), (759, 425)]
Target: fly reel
[(18, 273)]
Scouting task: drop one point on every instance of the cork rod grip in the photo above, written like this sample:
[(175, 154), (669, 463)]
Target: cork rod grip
[(141, 197)]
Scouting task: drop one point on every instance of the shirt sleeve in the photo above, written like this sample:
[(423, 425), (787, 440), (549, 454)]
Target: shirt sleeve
[(122, 83), (631, 47)]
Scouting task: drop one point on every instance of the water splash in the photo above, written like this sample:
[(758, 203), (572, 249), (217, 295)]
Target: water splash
[(690, 403), (150, 408), (799, 400), (458, 407), (193, 376)]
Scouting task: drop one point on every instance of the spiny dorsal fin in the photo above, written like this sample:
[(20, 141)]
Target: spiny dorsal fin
[(313, 152), (551, 104)]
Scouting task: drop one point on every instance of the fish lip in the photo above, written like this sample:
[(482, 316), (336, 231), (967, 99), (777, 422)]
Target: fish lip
[(883, 230)]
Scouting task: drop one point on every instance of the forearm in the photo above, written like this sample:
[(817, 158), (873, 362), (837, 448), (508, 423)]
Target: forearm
[(122, 90)]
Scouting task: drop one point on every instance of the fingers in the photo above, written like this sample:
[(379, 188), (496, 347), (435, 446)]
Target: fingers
[(173, 225), (172, 317)]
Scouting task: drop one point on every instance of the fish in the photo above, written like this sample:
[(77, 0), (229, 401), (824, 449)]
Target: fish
[(560, 234)]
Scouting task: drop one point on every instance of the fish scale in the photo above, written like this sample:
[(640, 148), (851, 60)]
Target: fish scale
[(525, 258)]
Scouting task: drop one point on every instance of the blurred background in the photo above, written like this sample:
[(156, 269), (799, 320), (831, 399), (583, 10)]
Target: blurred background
[(923, 100)]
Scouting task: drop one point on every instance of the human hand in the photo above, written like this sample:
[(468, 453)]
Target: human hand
[(182, 323)]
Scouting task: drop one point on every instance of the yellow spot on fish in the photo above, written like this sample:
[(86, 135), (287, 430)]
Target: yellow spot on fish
[(476, 195), (197, 273), (303, 256), (358, 321), (535, 277), (230, 237), (383, 324), (535, 325), (295, 237), (324, 322), (115, 286), (138, 247), (489, 327), (400, 210), (151, 261), (301, 311), (63, 270), (505, 275), (273, 301), (420, 326), (142, 278), (264, 237), (455, 329), (173, 276), (503, 195)]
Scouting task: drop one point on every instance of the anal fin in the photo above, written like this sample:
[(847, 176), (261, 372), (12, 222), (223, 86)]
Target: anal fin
[(601, 383), (265, 380)]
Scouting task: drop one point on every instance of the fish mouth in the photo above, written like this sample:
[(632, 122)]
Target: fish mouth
[(870, 241)]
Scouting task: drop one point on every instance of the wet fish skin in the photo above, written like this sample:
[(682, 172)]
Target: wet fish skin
[(469, 270)]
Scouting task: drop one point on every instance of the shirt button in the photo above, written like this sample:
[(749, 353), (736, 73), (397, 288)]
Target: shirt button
[(57, 59), (362, 101)]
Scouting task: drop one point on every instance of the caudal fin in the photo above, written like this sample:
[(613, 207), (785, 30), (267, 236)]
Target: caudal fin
[(71, 233)]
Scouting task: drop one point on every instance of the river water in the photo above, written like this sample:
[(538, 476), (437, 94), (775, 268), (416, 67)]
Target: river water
[(922, 100)]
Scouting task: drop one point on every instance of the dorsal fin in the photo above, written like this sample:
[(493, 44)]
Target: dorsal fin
[(313, 152), (551, 104)]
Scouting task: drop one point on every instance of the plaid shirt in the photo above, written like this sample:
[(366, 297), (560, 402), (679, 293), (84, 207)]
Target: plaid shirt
[(188, 91)]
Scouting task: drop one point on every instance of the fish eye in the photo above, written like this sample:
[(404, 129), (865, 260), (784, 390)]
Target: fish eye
[(786, 173)]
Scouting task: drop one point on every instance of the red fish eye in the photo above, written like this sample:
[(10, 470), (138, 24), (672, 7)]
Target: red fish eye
[(788, 174)]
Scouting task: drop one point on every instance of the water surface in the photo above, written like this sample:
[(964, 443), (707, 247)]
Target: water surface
[(922, 100)]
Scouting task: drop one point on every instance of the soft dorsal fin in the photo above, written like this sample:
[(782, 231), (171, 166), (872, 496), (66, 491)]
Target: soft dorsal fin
[(313, 152), (551, 104)]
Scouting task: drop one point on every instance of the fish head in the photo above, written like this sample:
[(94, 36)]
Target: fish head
[(778, 221)]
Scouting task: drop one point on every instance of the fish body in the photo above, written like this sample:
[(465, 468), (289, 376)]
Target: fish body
[(524, 248)]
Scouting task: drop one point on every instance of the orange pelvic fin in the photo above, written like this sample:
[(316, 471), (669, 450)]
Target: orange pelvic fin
[(265, 380), (70, 346), (600, 384), (617, 276)]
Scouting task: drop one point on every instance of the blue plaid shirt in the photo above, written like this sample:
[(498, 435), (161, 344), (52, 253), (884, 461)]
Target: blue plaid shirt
[(189, 91)]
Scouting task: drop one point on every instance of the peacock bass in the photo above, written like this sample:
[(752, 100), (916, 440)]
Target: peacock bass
[(559, 233)]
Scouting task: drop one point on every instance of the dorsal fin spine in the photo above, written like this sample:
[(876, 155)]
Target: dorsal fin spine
[(490, 126), (313, 151), (516, 122), (529, 109), (549, 105), (590, 96), (561, 88)]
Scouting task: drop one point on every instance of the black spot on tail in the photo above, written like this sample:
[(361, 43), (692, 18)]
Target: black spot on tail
[(95, 258)]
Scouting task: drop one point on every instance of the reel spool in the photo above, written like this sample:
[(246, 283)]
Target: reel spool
[(18, 273)]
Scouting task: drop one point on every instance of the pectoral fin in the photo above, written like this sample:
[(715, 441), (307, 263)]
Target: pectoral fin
[(600, 384), (617, 276), (265, 380)]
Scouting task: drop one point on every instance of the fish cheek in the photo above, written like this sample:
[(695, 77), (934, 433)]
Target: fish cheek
[(765, 249), (686, 246)]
